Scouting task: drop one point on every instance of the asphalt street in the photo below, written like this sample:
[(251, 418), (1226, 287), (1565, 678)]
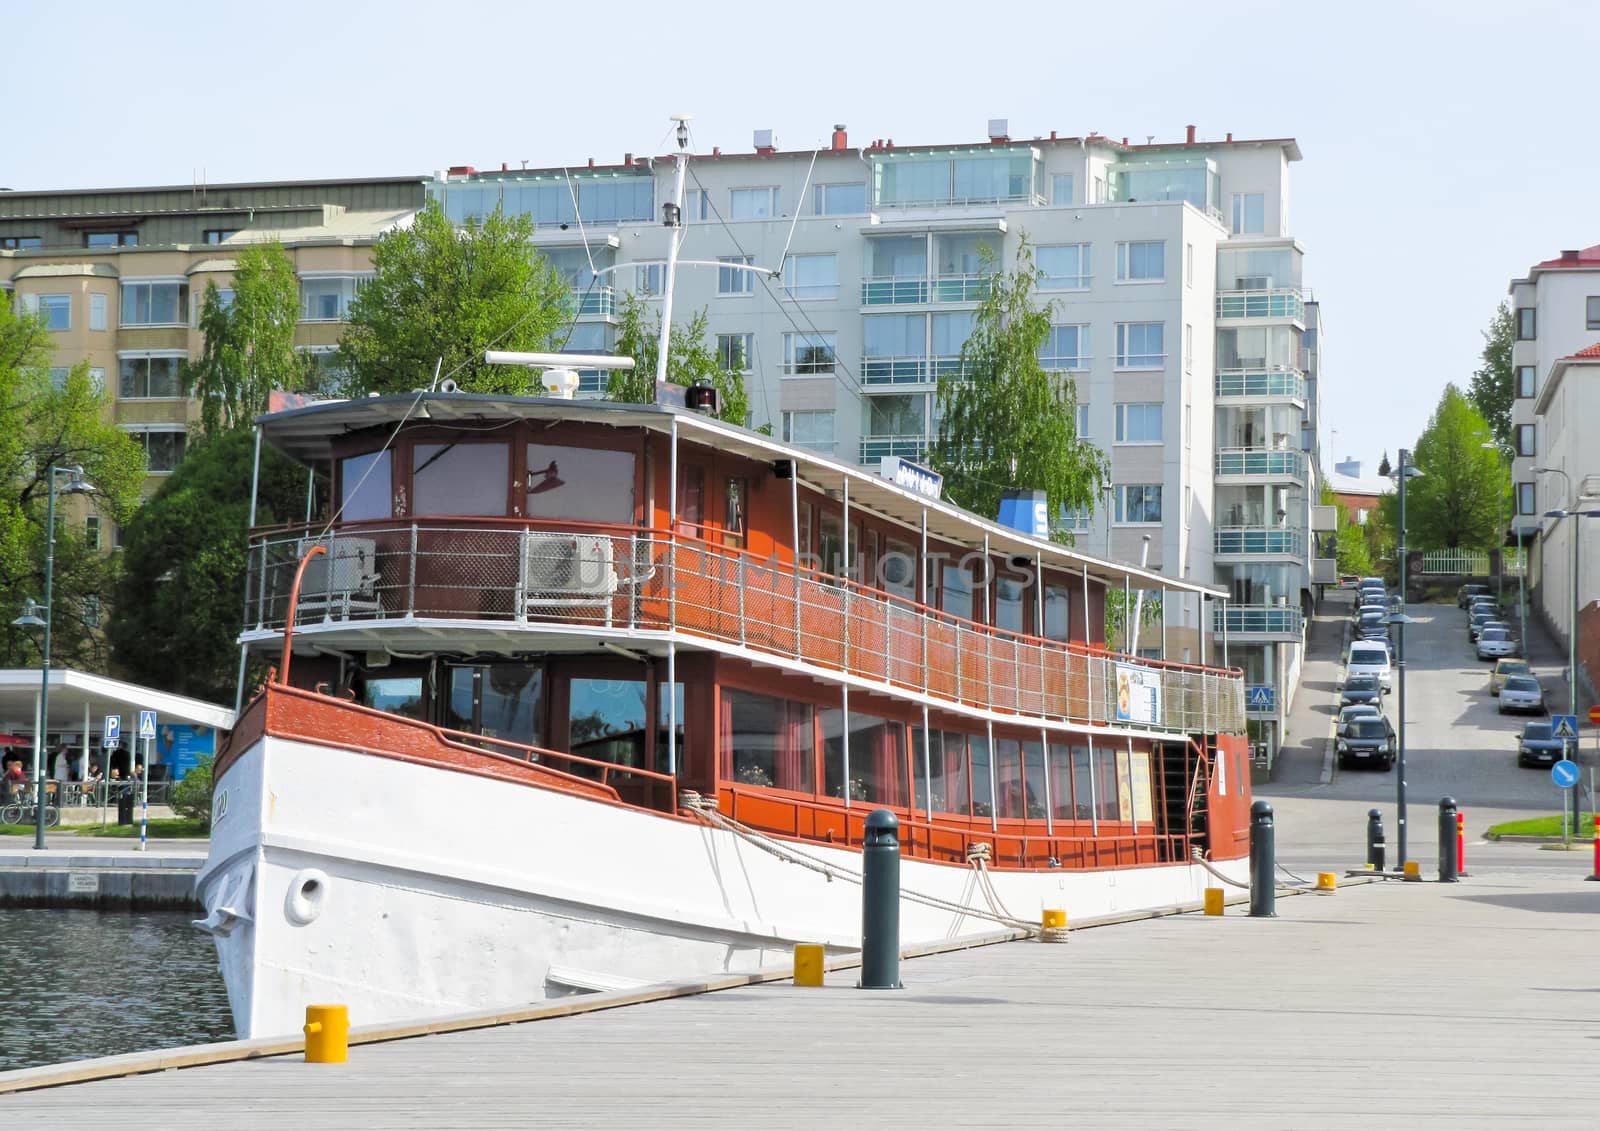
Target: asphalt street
[(1457, 745)]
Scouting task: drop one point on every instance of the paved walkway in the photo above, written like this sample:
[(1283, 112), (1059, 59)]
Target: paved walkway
[(1385, 1005)]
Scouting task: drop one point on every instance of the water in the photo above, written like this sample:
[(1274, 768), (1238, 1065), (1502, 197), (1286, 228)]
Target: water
[(78, 984)]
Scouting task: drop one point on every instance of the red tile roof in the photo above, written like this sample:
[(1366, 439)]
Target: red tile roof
[(1588, 257), (1588, 353)]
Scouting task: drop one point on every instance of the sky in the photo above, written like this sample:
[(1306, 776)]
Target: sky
[(1448, 146)]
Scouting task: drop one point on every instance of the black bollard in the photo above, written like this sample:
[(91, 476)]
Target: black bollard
[(1375, 845), (1263, 892), (880, 903), (1449, 866)]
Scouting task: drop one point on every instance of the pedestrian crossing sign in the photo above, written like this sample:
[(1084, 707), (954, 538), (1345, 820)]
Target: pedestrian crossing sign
[(1261, 697), (147, 724), (1564, 726)]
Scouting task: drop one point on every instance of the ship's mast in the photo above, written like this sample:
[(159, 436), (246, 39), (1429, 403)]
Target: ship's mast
[(672, 217)]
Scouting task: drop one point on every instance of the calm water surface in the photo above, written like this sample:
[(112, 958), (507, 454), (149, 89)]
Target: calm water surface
[(78, 984)]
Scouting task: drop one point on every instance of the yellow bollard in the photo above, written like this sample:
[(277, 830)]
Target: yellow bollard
[(1053, 920), (1413, 871), (1327, 881), (327, 1034), (1369, 866), (808, 967), (1213, 901)]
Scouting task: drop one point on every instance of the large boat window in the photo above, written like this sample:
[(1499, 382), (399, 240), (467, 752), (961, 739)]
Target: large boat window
[(692, 500), (947, 765), (664, 728), (366, 485), (830, 543), (1140, 787), (877, 757), (767, 741), (1033, 791), (1010, 603), (498, 701), (587, 484), (982, 778), (955, 595), (606, 720), (456, 478), (1082, 784), (1107, 807), (398, 695), (897, 570), (733, 510), (1008, 778), (1057, 615), (1061, 781)]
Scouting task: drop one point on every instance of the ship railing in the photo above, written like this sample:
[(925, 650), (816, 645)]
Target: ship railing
[(659, 788), (548, 573)]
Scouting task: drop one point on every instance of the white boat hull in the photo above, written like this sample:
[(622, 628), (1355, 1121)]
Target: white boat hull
[(404, 890)]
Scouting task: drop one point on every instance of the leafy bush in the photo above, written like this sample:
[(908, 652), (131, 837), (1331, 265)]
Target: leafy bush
[(191, 797)]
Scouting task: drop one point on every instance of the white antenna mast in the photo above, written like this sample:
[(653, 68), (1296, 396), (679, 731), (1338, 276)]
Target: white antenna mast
[(672, 217)]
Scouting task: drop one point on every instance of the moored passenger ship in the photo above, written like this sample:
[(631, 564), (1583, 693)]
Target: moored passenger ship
[(578, 696)]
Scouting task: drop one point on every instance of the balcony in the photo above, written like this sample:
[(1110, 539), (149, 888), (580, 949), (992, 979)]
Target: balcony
[(1259, 620), (598, 301), (961, 288), (1280, 302), (502, 583), (874, 448), (1261, 384), (1261, 463), (881, 371), (899, 290), (1258, 541)]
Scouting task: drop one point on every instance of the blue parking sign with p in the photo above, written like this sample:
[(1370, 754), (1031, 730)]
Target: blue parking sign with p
[(113, 730)]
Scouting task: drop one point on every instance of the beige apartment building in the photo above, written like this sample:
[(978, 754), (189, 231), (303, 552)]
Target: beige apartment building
[(120, 276)]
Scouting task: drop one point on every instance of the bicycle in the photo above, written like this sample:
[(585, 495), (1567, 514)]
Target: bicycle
[(25, 812)]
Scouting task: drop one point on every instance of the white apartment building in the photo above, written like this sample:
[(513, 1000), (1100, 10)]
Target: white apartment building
[(1555, 357), (1178, 310)]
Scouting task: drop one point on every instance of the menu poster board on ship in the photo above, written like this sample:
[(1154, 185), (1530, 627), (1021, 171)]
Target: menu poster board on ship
[(1138, 695)]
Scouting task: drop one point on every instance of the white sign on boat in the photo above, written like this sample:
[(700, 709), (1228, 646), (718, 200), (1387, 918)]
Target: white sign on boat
[(1138, 694), (913, 476)]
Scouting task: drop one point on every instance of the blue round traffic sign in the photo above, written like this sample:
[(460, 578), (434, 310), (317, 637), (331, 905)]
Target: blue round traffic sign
[(1564, 774)]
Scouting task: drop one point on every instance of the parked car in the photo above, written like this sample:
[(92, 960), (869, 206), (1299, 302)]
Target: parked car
[(1369, 741), (1467, 592), (1495, 642), (1521, 693), (1374, 594), (1476, 623), (1349, 580), (1371, 657), (1504, 668), (1361, 689), (1537, 745), (1373, 627), (1357, 711)]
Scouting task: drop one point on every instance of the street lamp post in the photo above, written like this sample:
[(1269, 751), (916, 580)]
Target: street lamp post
[(1572, 626), (76, 485), (1405, 471)]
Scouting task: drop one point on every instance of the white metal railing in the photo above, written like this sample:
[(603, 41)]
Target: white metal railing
[(648, 580), (1456, 563)]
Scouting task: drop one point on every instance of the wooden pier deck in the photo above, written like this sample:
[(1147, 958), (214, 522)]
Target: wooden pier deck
[(1386, 1005)]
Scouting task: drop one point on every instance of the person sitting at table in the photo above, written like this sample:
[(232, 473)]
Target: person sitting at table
[(91, 782)]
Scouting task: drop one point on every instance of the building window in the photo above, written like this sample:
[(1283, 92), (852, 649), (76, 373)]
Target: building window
[(1080, 418), (809, 353), (1138, 503), (97, 379), (731, 280), (1526, 498), (1188, 505), (217, 235), (163, 449), (1188, 347), (1074, 520), (812, 430), (55, 309), (1140, 345), (1066, 347), (1526, 323), (1143, 261), (1061, 188), (328, 298), (1063, 267), (1188, 425), (18, 243), (144, 376), (839, 200), (97, 311), (1525, 444), (1188, 264), (1525, 381), (91, 532), (1249, 213), (647, 279), (734, 352), (111, 239), (155, 304), (1139, 423), (810, 276), (753, 203), (1592, 312), (58, 377)]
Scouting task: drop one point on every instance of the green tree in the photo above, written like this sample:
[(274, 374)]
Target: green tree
[(690, 361), (1457, 500), (44, 423), (1351, 552), (1006, 421), (249, 342), (1119, 608), (191, 797), (1493, 385), (443, 293), (181, 592)]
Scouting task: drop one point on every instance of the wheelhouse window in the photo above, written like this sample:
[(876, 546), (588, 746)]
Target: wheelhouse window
[(366, 484), (768, 742), (587, 484), (398, 695), (455, 478), (606, 720), (503, 701), (955, 591), (1011, 602), (155, 304)]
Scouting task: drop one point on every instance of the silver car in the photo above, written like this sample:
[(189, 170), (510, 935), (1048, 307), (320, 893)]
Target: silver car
[(1356, 711), (1522, 693), (1495, 642)]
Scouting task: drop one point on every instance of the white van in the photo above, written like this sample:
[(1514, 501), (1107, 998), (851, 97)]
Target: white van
[(1370, 657)]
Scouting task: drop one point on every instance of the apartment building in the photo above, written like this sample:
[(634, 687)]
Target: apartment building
[(120, 276), (1555, 356), (1177, 308)]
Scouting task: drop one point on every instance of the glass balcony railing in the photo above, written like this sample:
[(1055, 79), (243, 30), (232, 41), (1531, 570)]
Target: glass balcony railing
[(874, 448), (882, 371), (893, 290), (1258, 541), (1274, 620), (1283, 302), (598, 301), (1282, 463), (961, 288), (1260, 384)]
